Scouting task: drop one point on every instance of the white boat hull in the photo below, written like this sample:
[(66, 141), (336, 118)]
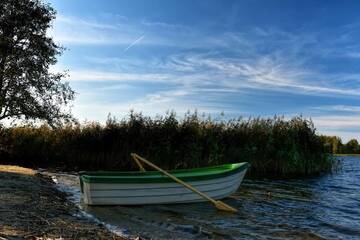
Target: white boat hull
[(159, 193)]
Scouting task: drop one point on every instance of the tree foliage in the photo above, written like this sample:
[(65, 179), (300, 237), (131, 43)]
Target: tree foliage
[(28, 89), (334, 145), (352, 146)]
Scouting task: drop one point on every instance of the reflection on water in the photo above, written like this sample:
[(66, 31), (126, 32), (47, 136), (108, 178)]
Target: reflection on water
[(321, 208)]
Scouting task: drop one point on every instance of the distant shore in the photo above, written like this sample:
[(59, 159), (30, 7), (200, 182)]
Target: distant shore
[(32, 208), (346, 155)]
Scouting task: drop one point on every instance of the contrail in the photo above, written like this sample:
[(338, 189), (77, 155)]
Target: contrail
[(134, 42)]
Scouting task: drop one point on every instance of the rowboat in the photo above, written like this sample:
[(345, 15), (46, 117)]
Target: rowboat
[(152, 187)]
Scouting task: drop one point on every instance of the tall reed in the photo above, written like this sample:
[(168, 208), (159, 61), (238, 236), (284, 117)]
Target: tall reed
[(275, 147)]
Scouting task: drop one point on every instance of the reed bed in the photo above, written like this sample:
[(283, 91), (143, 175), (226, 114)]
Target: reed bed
[(275, 147)]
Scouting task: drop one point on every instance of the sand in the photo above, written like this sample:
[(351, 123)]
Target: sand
[(32, 208)]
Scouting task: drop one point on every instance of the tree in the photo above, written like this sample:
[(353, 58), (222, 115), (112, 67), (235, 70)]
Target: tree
[(352, 146), (332, 144), (28, 90), (337, 145)]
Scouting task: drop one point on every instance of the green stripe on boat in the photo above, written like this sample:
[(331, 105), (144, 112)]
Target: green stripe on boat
[(194, 174)]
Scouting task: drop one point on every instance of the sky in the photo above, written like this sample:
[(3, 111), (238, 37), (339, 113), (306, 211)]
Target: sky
[(242, 58)]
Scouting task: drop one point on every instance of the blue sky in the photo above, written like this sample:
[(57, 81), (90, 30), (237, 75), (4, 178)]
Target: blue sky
[(249, 58)]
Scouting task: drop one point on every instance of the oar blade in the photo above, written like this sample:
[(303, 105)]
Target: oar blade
[(224, 207)]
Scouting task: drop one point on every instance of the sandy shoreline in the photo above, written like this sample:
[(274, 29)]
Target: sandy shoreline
[(32, 208)]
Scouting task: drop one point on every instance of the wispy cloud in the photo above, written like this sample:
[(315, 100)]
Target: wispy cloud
[(338, 108), (150, 104), (336, 122), (202, 71), (78, 31), (100, 76), (84, 23), (262, 73)]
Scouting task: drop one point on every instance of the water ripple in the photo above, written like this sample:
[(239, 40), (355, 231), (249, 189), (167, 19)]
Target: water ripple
[(327, 207)]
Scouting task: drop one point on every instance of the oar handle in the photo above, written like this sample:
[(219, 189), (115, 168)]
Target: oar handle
[(142, 169)]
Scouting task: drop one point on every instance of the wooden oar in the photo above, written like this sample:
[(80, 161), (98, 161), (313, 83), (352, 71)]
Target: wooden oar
[(218, 204), (142, 169)]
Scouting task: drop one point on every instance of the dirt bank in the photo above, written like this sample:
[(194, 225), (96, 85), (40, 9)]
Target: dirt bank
[(31, 208)]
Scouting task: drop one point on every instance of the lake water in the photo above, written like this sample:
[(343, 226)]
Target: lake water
[(326, 207)]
